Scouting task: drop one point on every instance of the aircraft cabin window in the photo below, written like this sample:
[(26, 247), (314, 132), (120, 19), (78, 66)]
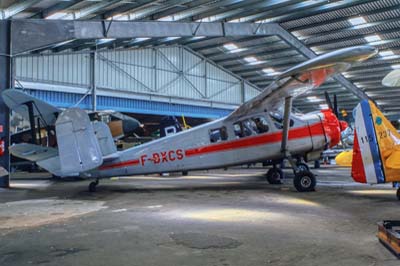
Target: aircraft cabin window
[(277, 118), (250, 127), (218, 134), (261, 124)]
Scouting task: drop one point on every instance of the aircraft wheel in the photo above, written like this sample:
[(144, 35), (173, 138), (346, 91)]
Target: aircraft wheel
[(398, 193), (93, 185), (274, 175), (304, 181), (303, 167)]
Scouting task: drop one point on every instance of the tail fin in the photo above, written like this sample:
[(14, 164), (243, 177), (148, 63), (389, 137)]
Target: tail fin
[(78, 146), (376, 150)]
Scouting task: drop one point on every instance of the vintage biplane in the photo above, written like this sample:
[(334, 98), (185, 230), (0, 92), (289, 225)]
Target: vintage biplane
[(251, 133)]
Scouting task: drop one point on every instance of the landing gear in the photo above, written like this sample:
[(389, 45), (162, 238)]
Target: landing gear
[(398, 194), (93, 185), (274, 175), (303, 167), (304, 181)]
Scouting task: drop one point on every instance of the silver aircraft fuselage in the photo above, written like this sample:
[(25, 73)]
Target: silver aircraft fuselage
[(198, 148)]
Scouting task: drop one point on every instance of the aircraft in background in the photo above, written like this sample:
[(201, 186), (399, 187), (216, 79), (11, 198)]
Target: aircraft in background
[(42, 117), (376, 150), (251, 133)]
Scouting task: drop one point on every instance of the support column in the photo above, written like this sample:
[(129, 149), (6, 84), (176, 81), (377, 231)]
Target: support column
[(93, 56), (5, 83)]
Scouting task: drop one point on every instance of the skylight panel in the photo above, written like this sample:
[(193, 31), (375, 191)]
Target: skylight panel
[(61, 15), (230, 46), (373, 38), (313, 99), (250, 59), (270, 71), (357, 21), (386, 53)]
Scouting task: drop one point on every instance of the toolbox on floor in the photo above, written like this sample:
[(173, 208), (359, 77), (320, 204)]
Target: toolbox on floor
[(389, 235)]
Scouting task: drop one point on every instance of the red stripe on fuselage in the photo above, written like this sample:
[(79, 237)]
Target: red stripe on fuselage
[(296, 133), (120, 164)]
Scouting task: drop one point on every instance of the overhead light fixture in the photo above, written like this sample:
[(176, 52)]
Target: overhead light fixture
[(347, 75), (141, 39), (386, 53), (60, 15), (167, 18), (250, 59), (230, 46), (104, 40), (357, 21), (270, 71), (313, 99), (323, 106), (198, 37), (233, 48), (120, 17), (171, 38), (372, 38)]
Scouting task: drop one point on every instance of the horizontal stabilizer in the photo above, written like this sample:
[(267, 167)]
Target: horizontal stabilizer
[(32, 152), (45, 157)]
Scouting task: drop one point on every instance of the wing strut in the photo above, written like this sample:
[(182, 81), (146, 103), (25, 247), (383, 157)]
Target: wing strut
[(303, 179), (285, 133)]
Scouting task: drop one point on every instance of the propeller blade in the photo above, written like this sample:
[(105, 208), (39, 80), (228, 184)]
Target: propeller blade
[(328, 100), (335, 106)]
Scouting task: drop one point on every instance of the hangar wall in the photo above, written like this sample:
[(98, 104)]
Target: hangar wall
[(164, 76)]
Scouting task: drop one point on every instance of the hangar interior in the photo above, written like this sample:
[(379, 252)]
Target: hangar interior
[(195, 60)]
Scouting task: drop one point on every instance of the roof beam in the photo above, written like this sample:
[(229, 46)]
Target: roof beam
[(55, 8), (51, 32)]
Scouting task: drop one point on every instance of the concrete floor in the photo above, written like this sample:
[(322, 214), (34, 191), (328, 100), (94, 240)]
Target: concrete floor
[(216, 218)]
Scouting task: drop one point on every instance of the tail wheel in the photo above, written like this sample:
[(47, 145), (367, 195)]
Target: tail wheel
[(304, 181), (274, 175), (93, 185)]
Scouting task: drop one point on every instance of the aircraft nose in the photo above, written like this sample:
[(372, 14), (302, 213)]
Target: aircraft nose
[(331, 126), (130, 126)]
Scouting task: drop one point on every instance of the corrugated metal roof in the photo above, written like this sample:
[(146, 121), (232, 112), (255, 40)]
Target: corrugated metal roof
[(321, 25)]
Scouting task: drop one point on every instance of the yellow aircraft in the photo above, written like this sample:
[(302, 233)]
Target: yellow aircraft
[(376, 150)]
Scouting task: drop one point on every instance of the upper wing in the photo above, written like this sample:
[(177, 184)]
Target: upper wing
[(303, 77), (16, 100)]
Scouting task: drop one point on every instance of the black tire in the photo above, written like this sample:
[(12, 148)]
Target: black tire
[(398, 193), (92, 186), (274, 176), (304, 181), (303, 167)]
